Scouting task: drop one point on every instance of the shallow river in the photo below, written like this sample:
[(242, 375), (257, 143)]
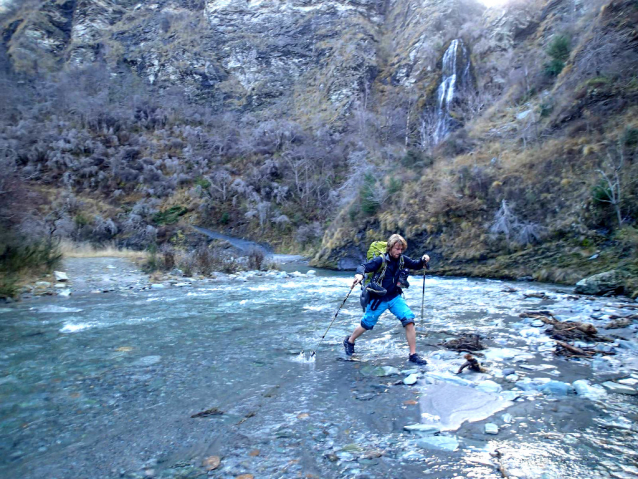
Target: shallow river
[(104, 385)]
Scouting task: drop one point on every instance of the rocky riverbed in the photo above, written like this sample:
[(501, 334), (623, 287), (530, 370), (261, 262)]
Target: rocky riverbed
[(193, 377)]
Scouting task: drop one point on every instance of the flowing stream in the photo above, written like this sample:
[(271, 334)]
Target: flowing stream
[(105, 385)]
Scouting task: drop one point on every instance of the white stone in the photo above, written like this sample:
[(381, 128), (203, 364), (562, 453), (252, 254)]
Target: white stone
[(157, 286), (628, 381), (619, 388), (60, 276), (585, 389), (530, 332), (537, 323), (311, 272), (489, 387), (390, 371), (512, 378), (410, 380), (441, 443), (64, 292), (507, 418), (491, 428)]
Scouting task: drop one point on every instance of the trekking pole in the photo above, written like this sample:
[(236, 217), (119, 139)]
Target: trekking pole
[(426, 266), (333, 320)]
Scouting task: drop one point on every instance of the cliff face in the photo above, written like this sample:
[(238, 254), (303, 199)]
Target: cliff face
[(248, 54)]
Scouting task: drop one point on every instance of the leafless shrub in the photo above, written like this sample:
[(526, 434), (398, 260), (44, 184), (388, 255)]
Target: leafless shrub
[(256, 258), (507, 223), (308, 233)]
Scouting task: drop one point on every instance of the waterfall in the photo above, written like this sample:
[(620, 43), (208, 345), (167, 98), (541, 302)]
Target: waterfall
[(455, 75)]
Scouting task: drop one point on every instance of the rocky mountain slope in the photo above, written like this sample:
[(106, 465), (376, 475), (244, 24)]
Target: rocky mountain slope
[(502, 140)]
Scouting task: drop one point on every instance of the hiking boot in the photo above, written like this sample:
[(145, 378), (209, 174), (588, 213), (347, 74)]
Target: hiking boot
[(348, 346), (416, 359)]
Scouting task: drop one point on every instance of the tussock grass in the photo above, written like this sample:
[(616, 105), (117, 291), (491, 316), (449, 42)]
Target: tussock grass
[(71, 249)]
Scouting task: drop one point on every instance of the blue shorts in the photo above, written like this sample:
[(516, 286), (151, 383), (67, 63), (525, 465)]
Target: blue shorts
[(397, 306)]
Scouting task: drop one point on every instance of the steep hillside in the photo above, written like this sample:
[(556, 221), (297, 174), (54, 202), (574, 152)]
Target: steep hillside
[(501, 140)]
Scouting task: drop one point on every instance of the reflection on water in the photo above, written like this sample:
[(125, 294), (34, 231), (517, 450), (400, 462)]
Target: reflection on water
[(105, 385)]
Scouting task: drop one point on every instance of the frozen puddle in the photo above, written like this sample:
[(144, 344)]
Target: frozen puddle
[(448, 406)]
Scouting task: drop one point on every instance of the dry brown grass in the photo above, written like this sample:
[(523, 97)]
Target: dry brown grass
[(84, 250)]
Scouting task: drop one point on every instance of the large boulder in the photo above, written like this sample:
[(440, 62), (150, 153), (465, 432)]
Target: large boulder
[(602, 283)]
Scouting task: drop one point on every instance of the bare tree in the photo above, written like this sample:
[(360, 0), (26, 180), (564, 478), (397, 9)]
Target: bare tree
[(611, 189)]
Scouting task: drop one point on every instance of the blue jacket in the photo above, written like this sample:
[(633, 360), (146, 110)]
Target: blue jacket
[(391, 273)]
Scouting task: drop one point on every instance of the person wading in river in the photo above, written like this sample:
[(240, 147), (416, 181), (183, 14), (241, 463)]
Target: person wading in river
[(391, 299)]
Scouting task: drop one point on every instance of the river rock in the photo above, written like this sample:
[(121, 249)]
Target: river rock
[(379, 371), (410, 380), (628, 381), (157, 286), (147, 361), (60, 276), (512, 378), (507, 418), (537, 323), (64, 293), (489, 387), (556, 388), (599, 284), (619, 388), (423, 428), (491, 428), (439, 443), (585, 389)]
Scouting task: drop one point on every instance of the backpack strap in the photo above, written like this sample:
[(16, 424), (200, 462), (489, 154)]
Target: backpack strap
[(381, 272)]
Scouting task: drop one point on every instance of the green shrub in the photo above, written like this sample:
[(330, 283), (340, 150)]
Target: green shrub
[(630, 137), (394, 186), (369, 204), (225, 218), (554, 67), (8, 286), (559, 48), (547, 106), (601, 193), (169, 216)]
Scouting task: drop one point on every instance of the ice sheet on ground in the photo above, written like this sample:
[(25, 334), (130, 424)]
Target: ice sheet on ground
[(456, 404)]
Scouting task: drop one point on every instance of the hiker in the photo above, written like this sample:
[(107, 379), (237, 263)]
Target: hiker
[(386, 283)]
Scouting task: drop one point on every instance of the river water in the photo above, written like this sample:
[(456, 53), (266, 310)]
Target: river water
[(105, 385)]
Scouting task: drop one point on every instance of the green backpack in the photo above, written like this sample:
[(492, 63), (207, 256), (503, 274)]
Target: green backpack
[(377, 248)]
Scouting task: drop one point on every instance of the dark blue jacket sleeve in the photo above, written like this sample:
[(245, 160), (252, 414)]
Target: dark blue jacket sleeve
[(411, 264), (372, 265)]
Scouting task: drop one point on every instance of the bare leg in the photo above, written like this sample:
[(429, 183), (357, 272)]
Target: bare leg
[(410, 335), (359, 330)]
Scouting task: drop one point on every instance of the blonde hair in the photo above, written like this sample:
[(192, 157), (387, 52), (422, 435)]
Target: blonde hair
[(394, 239)]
